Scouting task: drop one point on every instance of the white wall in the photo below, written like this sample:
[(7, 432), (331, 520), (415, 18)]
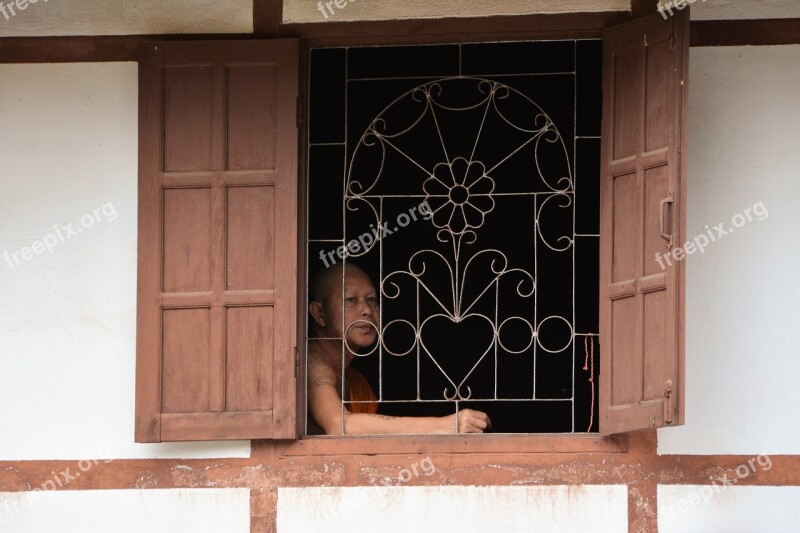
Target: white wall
[(706, 509), (127, 511), (565, 509), (123, 17), (742, 307), (68, 317), (744, 9), (309, 10)]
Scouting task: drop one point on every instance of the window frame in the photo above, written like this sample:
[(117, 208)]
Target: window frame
[(300, 444), (307, 445), (410, 443), (452, 444)]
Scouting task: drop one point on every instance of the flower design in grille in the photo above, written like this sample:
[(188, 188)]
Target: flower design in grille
[(459, 194), (460, 180)]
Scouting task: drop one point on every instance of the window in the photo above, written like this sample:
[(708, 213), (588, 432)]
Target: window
[(490, 300), (220, 273)]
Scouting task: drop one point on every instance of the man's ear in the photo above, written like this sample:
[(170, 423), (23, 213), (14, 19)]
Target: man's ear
[(315, 308)]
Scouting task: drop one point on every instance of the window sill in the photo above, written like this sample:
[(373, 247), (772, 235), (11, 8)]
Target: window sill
[(455, 444)]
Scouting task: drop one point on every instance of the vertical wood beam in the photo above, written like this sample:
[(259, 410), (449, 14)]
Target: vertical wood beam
[(640, 8), (267, 17)]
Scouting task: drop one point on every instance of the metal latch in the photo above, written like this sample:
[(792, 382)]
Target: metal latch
[(668, 402)]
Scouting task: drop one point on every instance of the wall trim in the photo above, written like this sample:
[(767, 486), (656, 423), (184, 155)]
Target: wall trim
[(757, 32), (456, 30), (542, 27), (71, 49), (270, 467)]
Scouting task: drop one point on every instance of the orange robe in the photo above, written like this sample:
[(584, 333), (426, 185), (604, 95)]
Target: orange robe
[(359, 390)]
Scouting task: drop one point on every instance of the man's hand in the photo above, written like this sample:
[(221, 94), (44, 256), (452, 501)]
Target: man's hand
[(469, 421), (325, 407)]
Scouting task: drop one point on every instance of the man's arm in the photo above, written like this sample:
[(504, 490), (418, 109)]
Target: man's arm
[(325, 407)]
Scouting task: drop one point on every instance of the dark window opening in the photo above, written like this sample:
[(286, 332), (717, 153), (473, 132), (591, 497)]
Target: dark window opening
[(489, 292)]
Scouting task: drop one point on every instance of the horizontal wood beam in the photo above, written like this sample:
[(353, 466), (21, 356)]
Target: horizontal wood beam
[(454, 30), (431, 31), (758, 32), (99, 49), (413, 31)]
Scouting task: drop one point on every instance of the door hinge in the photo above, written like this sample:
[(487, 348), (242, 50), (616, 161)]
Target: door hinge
[(298, 112), (668, 402), (296, 361)]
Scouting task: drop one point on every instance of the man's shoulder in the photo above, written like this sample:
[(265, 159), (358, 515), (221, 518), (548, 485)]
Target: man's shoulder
[(314, 354), (317, 363)]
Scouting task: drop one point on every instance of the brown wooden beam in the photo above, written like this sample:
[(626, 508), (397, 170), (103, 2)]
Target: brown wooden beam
[(641, 8), (267, 17), (745, 32), (89, 49), (69, 49), (582, 25), (429, 31), (454, 30)]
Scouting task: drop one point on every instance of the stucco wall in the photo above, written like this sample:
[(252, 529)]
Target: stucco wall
[(734, 509), (600, 509), (126, 511), (309, 10), (120, 17), (741, 294), (68, 316), (744, 9)]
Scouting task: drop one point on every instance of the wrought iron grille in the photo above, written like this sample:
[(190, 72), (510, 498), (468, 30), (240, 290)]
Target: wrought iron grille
[(469, 185)]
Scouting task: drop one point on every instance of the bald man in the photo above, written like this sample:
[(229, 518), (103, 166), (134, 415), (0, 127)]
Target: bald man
[(361, 318)]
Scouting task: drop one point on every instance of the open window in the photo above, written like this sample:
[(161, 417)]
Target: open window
[(464, 179), (218, 240)]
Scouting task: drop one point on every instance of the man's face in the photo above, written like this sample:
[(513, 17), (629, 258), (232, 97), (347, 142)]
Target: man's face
[(361, 311)]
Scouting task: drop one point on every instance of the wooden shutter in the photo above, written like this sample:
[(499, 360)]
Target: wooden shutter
[(643, 202), (217, 241)]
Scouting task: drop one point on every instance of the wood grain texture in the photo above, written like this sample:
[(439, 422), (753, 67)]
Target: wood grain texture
[(224, 313), (760, 32), (642, 180), (267, 18), (148, 319)]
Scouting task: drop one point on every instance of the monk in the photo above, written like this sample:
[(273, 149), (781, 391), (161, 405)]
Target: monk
[(361, 316)]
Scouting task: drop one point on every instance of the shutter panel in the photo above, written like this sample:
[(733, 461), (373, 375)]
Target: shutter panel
[(217, 294), (643, 187)]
